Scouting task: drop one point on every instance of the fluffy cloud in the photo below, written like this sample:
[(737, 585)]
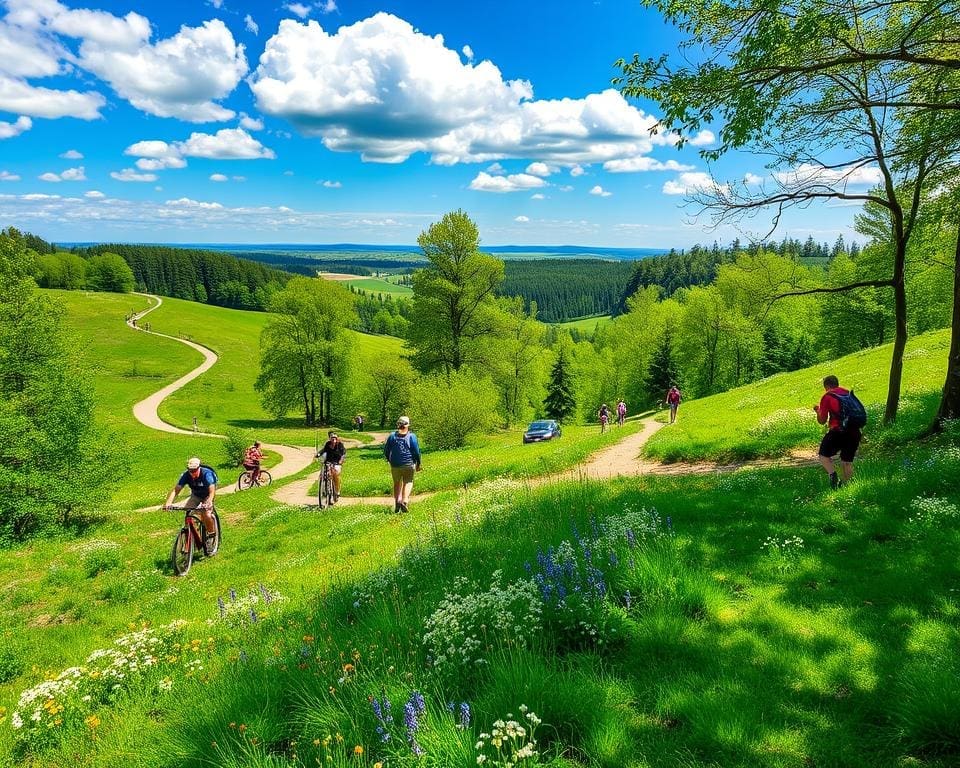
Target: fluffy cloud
[(539, 169), (7, 176), (752, 179), (9, 130), (538, 196), (332, 184), (26, 52), (689, 183), (577, 171), (644, 163), (94, 194), (250, 123), (327, 6), (298, 9), (522, 219), (128, 174), (71, 174), (467, 52), (72, 154), (180, 76), (225, 144), (219, 177), (517, 182), (807, 173), (600, 191), (252, 26), (21, 98)]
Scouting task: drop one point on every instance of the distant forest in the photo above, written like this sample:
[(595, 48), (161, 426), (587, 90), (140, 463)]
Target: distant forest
[(565, 289), (205, 276)]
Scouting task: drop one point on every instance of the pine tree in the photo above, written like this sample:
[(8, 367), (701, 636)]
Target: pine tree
[(662, 373), (560, 401)]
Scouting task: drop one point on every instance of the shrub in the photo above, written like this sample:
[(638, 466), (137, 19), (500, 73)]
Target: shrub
[(100, 555), (447, 410), (235, 443)]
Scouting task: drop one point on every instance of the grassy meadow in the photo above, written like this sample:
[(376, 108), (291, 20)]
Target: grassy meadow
[(775, 415), (585, 325), (745, 619), (376, 285)]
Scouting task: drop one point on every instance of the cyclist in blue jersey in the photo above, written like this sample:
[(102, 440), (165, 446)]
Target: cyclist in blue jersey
[(202, 482), (403, 452)]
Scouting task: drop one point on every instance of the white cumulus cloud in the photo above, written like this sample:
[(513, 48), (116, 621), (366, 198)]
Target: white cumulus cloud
[(72, 154), (643, 163), (517, 182), (332, 184), (522, 219), (577, 171), (807, 173), (327, 6), (128, 174), (94, 194), (600, 191), (538, 196), (252, 26), (51, 177), (7, 176), (752, 179), (539, 169), (218, 177), (467, 52), (298, 9), (250, 123), (9, 130), (690, 183), (225, 144), (20, 97), (73, 174)]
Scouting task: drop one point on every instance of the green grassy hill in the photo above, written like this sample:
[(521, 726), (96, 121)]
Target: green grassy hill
[(741, 620), (772, 416)]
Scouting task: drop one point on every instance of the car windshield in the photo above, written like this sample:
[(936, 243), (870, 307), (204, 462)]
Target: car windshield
[(538, 425)]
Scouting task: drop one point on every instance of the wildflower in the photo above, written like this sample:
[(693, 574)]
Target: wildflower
[(92, 722), (464, 716), (358, 750)]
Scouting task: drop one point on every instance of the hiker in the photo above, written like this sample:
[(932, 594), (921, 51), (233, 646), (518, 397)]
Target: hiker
[(673, 400), (403, 452), (621, 412), (844, 415)]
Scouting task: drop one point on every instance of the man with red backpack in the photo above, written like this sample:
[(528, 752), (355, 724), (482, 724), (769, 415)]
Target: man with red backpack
[(844, 415), (673, 400)]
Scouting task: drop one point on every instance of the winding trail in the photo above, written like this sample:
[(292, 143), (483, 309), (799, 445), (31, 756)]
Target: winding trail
[(622, 459), (293, 458)]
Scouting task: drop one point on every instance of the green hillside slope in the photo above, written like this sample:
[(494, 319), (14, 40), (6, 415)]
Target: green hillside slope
[(772, 416)]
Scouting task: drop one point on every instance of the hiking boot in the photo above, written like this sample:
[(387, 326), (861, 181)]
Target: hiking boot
[(208, 543), (396, 507), (403, 508), (834, 480)]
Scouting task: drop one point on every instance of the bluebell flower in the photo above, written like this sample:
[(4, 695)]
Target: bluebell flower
[(464, 715)]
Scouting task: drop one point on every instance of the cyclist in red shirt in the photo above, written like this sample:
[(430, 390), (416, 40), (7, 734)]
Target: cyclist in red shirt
[(837, 440), (251, 460)]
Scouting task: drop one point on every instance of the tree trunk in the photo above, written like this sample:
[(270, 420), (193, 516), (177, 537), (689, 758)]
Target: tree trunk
[(900, 335), (950, 400)]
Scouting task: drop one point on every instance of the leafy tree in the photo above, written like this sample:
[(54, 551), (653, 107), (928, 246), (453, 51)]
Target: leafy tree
[(802, 80), (516, 361), (109, 272), (662, 373), (453, 317), (305, 351), (561, 402), (448, 409), (61, 270), (389, 386), (55, 461)]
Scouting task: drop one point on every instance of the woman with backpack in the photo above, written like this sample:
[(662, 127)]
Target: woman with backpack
[(403, 452)]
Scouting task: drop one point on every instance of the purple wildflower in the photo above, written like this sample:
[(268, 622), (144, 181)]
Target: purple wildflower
[(631, 538), (464, 715), (253, 616)]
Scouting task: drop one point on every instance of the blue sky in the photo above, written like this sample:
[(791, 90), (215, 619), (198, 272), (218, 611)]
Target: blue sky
[(343, 121)]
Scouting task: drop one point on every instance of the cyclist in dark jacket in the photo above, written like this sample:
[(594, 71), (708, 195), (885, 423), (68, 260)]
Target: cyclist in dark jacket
[(402, 450), (334, 453)]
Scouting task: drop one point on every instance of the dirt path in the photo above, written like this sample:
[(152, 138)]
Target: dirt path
[(293, 458)]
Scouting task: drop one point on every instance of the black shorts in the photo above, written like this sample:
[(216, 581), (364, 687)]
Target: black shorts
[(842, 441)]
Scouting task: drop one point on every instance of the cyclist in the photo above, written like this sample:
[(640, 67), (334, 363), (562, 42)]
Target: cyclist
[(251, 461), (621, 412), (334, 452), (203, 489), (604, 415)]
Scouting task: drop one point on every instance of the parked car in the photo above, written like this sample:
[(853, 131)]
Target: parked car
[(541, 430)]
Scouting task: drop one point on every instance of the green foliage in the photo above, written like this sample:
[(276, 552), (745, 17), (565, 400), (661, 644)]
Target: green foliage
[(563, 289), (109, 272), (560, 402), (446, 410), (305, 351), (62, 270), (389, 384), (55, 460), (99, 556), (235, 443), (453, 319)]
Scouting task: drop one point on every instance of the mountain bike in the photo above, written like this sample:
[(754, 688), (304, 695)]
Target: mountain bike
[(246, 480), (326, 495), (191, 537), (604, 419)]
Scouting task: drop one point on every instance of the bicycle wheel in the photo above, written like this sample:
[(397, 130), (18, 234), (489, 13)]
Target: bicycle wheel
[(264, 478), (182, 555), (331, 491), (212, 546), (245, 480), (323, 497)]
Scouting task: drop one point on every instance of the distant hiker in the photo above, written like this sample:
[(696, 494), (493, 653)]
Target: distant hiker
[(403, 452), (604, 415), (673, 400), (358, 422), (134, 321), (621, 411), (845, 415)]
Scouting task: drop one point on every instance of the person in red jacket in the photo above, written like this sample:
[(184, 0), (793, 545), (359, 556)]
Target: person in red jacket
[(837, 440)]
